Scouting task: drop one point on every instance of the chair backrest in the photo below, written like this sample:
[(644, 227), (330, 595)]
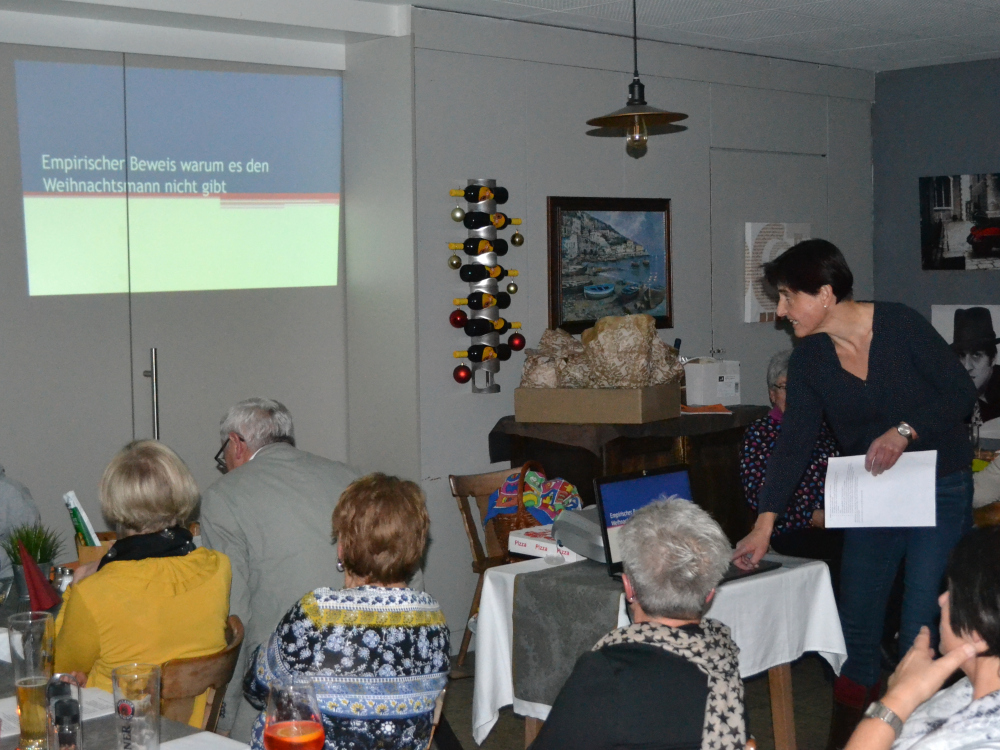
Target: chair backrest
[(479, 487), (183, 680)]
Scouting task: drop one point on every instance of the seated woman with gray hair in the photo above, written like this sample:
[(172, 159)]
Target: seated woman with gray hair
[(800, 530), (671, 679), (154, 596)]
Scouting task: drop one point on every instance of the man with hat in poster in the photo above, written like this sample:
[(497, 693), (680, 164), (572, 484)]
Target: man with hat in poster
[(975, 343)]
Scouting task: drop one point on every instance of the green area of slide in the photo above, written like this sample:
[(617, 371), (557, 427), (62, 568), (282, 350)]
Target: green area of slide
[(80, 245)]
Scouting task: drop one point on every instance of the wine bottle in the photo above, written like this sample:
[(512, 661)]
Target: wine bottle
[(480, 193), (482, 353), (482, 326), (482, 300), (477, 272), (477, 219), (472, 246)]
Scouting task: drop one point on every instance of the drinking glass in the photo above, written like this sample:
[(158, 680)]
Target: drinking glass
[(136, 690), (5, 586), (293, 720), (32, 637), (64, 713)]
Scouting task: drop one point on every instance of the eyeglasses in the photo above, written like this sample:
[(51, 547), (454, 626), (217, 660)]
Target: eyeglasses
[(220, 457)]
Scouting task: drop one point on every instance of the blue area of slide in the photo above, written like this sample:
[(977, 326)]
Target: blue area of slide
[(621, 499), (66, 109), (239, 121)]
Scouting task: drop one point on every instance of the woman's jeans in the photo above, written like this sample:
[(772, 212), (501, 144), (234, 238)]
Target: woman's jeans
[(871, 559)]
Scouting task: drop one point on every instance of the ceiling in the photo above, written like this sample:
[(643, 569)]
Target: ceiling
[(869, 34)]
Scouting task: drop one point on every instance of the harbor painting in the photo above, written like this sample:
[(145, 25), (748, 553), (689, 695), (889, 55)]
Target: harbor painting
[(608, 256)]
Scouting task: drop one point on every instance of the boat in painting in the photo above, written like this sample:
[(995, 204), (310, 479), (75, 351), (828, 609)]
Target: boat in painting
[(629, 292), (598, 291)]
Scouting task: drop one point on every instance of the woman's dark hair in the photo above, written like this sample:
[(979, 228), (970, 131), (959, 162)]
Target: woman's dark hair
[(808, 266), (973, 577)]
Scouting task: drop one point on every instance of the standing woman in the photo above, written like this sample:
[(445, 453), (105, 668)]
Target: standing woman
[(886, 382)]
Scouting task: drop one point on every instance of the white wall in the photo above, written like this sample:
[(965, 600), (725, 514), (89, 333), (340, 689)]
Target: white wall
[(509, 100), (382, 392)]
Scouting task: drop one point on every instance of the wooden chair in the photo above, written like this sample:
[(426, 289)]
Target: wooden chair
[(183, 680), (478, 487)]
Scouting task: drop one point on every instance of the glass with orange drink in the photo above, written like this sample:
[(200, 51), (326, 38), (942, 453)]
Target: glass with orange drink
[(293, 720)]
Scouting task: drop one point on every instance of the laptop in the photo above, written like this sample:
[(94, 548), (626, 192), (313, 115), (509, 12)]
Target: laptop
[(618, 497)]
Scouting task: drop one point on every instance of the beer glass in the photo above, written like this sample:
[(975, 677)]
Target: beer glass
[(32, 637), (136, 690)]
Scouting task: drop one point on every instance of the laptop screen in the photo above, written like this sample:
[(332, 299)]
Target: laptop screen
[(619, 497)]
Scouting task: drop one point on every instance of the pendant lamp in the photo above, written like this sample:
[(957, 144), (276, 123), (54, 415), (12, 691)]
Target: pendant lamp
[(636, 120)]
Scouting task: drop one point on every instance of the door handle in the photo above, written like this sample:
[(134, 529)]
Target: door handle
[(155, 385)]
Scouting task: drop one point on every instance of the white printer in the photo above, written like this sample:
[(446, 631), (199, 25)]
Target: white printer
[(580, 531)]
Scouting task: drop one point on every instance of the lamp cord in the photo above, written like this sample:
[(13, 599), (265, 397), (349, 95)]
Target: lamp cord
[(635, 44)]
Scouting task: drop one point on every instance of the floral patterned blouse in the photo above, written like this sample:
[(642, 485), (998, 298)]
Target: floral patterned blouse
[(378, 657), (758, 442)]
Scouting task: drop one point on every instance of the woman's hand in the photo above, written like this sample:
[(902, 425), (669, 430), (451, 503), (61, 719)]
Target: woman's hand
[(753, 546), (919, 675), (81, 678), (82, 571), (818, 519), (885, 450)]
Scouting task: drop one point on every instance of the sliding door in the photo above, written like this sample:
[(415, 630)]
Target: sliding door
[(161, 203), (234, 228), (65, 400)]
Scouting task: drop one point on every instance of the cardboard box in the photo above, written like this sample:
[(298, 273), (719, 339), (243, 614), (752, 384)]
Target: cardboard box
[(537, 541), (712, 381), (85, 554), (598, 405)]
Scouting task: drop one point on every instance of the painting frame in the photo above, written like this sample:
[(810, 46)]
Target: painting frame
[(563, 303)]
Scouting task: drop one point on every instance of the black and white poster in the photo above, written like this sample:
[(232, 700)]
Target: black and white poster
[(972, 332)]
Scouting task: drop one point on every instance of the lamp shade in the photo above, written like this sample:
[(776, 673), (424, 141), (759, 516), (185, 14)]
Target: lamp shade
[(621, 118)]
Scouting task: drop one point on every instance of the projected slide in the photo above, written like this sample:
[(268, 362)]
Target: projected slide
[(163, 180)]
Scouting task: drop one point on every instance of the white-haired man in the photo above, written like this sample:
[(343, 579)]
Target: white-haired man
[(271, 514)]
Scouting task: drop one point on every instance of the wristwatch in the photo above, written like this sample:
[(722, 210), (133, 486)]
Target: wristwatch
[(906, 431), (878, 710)]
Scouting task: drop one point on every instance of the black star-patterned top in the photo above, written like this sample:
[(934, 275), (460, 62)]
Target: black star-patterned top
[(629, 695)]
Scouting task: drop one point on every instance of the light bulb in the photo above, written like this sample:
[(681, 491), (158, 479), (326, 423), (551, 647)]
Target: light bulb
[(636, 138)]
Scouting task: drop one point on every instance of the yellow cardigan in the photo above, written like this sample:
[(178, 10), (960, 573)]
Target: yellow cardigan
[(148, 611)]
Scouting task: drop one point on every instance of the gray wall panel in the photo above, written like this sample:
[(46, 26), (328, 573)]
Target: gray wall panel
[(849, 189), (381, 295), (942, 120), (762, 120), (756, 187)]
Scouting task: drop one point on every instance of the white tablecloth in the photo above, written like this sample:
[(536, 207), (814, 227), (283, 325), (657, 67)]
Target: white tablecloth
[(775, 617)]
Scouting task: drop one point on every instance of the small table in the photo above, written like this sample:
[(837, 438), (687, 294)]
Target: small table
[(98, 733), (774, 617)]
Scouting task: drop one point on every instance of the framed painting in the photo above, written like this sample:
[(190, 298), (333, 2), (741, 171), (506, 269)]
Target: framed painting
[(608, 256)]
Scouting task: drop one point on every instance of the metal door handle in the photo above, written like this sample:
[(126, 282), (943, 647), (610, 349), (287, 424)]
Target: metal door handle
[(151, 374)]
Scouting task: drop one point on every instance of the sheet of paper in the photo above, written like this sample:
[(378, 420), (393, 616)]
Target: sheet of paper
[(96, 702), (901, 496), (4, 646), (204, 741)]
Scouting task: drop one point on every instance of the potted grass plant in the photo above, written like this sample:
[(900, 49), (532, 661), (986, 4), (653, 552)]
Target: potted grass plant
[(43, 544)]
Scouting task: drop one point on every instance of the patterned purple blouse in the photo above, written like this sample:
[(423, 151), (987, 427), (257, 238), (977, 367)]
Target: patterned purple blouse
[(758, 442)]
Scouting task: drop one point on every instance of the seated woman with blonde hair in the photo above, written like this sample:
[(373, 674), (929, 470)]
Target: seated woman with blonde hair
[(376, 651), (154, 596)]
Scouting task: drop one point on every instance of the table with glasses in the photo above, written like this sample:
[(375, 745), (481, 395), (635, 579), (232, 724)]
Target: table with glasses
[(101, 733), (775, 617)]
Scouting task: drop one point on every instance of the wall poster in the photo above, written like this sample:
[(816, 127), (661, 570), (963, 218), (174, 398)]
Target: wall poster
[(960, 222), (971, 331), (764, 242)]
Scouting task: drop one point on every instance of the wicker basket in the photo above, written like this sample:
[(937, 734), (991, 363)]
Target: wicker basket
[(505, 523)]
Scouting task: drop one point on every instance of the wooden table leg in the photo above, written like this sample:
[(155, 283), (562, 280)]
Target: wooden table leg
[(531, 729), (782, 709)]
